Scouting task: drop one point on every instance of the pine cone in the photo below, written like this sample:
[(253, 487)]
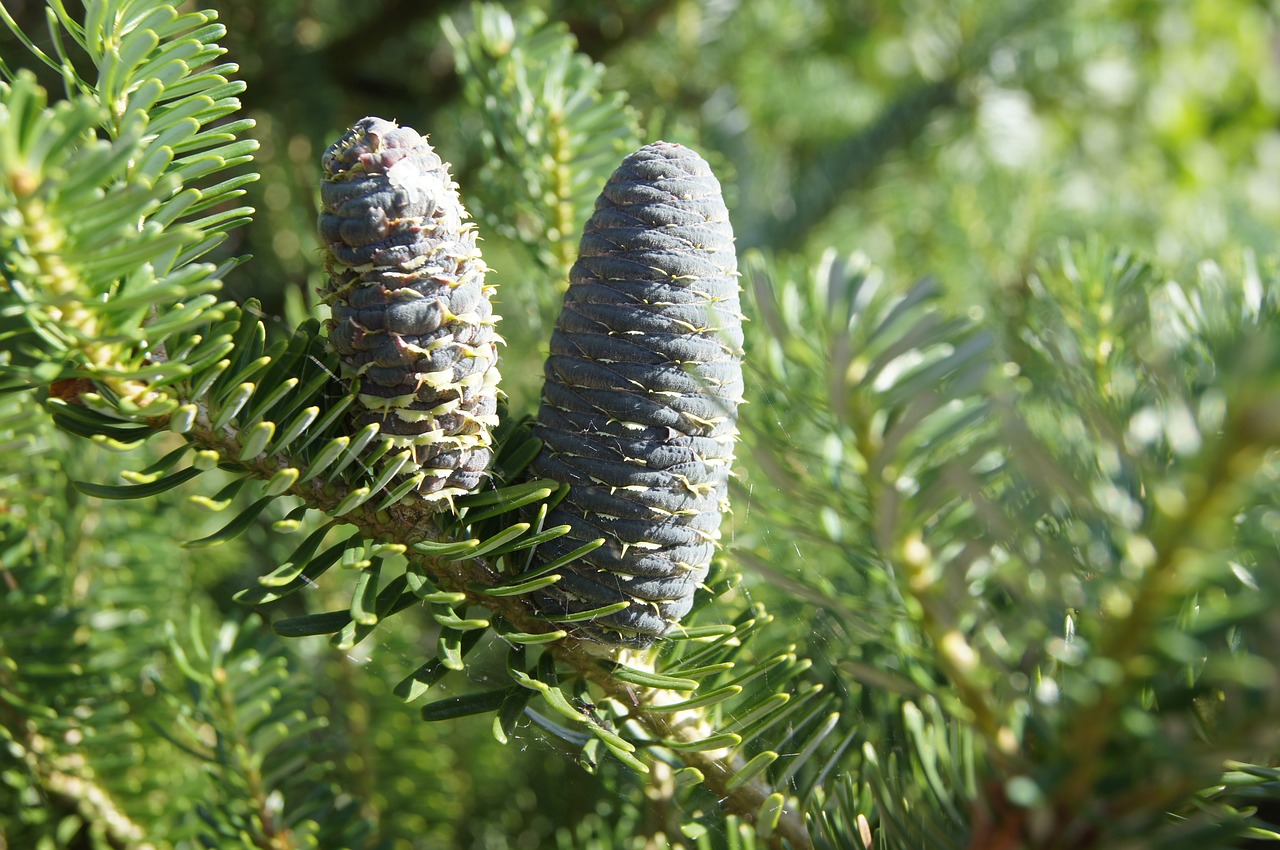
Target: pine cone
[(640, 402), (411, 314)]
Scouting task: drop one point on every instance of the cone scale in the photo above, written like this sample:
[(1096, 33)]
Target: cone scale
[(411, 316), (639, 407)]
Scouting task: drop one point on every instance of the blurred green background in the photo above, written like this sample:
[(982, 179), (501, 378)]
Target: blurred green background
[(1153, 122), (956, 138)]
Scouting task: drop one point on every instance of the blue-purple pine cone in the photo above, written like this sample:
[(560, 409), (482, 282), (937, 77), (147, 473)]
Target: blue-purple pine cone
[(411, 317), (639, 407)]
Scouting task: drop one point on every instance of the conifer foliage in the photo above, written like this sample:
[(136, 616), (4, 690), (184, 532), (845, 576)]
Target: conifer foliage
[(1000, 570)]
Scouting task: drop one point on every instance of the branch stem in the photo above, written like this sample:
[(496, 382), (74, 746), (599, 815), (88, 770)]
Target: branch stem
[(412, 521)]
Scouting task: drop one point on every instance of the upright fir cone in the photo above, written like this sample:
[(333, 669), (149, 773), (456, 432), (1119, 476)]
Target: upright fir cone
[(640, 402), (411, 320)]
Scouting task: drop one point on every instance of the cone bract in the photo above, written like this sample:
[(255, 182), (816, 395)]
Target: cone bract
[(411, 318), (640, 402)]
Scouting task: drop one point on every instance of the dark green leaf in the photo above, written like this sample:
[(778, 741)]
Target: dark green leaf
[(136, 491), (312, 624), (469, 704)]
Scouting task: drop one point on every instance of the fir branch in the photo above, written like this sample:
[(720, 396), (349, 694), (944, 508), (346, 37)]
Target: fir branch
[(1214, 495), (65, 646), (69, 783), (244, 713), (552, 128), (929, 529), (717, 767), (108, 198), (411, 521)]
